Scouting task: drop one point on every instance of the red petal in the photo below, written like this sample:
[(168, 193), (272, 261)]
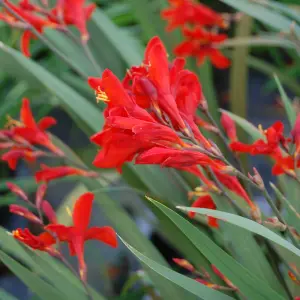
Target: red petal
[(63, 232), (82, 211), (212, 222), (26, 114), (105, 235), (25, 42), (95, 83), (46, 123), (219, 60)]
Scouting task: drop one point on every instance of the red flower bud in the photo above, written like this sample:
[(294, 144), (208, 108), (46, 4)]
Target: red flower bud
[(229, 127), (24, 212)]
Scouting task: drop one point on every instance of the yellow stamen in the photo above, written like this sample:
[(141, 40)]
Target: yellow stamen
[(101, 96), (260, 128), (69, 211), (12, 122)]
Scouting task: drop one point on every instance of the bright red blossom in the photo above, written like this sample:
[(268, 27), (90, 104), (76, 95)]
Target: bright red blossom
[(182, 12), (42, 242), (79, 233), (201, 44)]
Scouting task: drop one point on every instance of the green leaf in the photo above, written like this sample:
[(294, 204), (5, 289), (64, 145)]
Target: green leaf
[(253, 132), (290, 111), (246, 224), (40, 287), (265, 15), (249, 285), (251, 255), (184, 282), (16, 64)]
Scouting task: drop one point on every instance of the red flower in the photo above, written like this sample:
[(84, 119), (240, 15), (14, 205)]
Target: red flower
[(177, 158), (183, 12), (42, 242), (205, 202), (12, 156), (74, 12), (229, 127), (50, 173), (200, 44), (274, 137), (32, 132), (77, 234), (24, 212), (37, 21)]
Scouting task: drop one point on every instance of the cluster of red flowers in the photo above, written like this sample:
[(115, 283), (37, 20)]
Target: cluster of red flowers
[(151, 118), (199, 25), (75, 235), (276, 146), (20, 141), (26, 15), (204, 277)]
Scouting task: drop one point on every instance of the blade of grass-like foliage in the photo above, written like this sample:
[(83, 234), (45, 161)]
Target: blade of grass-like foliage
[(184, 282), (290, 111), (18, 65), (127, 46), (245, 248), (263, 14), (246, 224), (249, 285), (253, 132), (37, 285)]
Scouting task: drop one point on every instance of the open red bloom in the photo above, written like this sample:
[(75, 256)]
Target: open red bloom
[(50, 173), (12, 156), (270, 146), (183, 12), (205, 201), (79, 233), (37, 21), (201, 44), (42, 242), (74, 12)]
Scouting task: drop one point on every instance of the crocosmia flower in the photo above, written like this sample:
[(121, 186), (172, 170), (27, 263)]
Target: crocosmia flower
[(200, 44), (42, 242), (182, 12), (79, 233), (151, 115)]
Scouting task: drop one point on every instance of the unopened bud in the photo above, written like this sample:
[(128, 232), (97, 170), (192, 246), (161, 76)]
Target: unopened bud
[(256, 213), (257, 179), (229, 170), (275, 223)]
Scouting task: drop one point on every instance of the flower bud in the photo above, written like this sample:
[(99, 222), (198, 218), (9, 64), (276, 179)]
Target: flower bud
[(229, 127), (183, 263), (24, 212), (257, 179), (275, 223), (17, 190)]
